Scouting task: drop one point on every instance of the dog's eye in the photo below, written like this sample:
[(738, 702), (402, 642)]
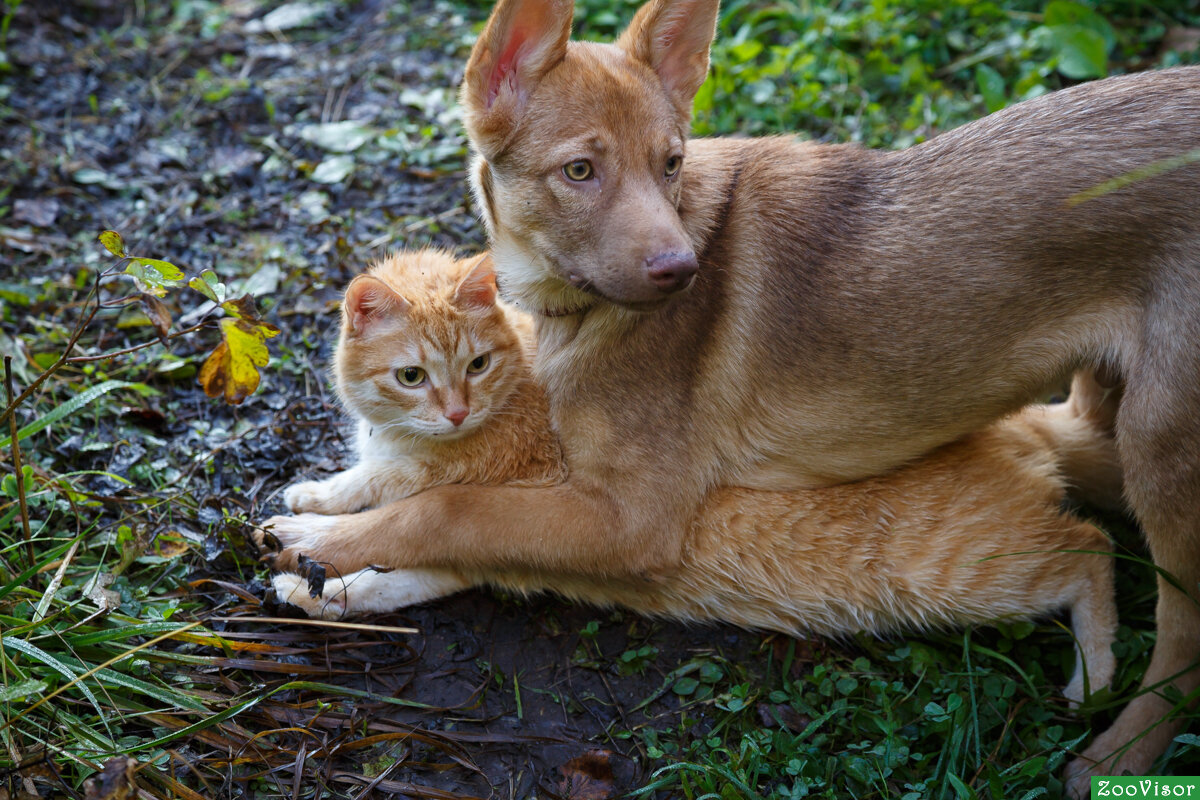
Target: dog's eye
[(479, 364), (673, 165), (579, 170), (410, 376)]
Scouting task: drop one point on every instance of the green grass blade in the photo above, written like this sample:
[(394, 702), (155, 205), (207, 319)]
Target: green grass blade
[(176, 699), (59, 667), (70, 407), (23, 577), (127, 631), (348, 692)]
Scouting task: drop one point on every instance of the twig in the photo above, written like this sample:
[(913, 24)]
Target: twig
[(55, 582), (136, 347), (319, 623), (11, 410), (16, 461)]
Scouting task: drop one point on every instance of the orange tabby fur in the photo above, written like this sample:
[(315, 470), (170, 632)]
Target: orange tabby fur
[(425, 309), (971, 533)]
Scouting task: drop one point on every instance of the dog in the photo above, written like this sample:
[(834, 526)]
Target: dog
[(776, 314)]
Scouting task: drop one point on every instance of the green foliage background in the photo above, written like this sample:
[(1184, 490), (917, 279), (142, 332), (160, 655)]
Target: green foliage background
[(887, 73), (961, 715)]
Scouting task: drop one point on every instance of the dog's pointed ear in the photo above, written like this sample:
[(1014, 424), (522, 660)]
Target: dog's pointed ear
[(674, 37), (369, 300), (478, 288), (523, 40)]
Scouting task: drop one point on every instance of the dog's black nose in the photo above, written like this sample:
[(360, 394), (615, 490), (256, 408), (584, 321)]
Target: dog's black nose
[(671, 272)]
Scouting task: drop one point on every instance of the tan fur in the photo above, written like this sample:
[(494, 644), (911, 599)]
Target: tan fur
[(852, 310), (972, 533), (422, 308)]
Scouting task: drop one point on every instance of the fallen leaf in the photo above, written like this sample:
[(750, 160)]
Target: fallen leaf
[(232, 368), (158, 314), (41, 212), (779, 713), (96, 591), (230, 160), (171, 544), (288, 16), (336, 137), (588, 777), (115, 781), (88, 176), (333, 170)]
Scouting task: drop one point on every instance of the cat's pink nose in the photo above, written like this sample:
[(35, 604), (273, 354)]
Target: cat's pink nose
[(457, 415)]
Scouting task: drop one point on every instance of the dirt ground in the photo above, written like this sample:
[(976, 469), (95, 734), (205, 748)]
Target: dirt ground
[(183, 126)]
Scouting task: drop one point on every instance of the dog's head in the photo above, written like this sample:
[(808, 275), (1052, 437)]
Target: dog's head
[(580, 150)]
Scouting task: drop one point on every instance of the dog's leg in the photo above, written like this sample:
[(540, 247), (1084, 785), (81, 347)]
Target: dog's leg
[(1158, 436), (564, 529)]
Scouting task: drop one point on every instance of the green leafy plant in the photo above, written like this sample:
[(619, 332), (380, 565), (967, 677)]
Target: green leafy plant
[(80, 651), (232, 369)]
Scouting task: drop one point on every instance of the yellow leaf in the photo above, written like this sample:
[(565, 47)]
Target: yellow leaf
[(113, 243), (171, 545), (232, 368)]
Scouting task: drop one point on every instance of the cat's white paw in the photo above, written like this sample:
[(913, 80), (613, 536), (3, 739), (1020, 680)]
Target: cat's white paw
[(374, 591), (368, 591), (293, 589), (1102, 667), (317, 497), (1073, 691)]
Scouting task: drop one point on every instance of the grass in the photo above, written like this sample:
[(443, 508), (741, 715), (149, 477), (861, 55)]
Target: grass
[(114, 556)]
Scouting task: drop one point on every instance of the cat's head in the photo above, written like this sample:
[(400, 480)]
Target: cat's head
[(426, 351)]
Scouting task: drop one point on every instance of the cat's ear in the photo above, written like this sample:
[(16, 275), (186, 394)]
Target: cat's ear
[(523, 40), (478, 288), (369, 300), (673, 37)]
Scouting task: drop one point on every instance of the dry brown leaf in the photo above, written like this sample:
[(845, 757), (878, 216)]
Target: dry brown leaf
[(115, 781), (588, 777)]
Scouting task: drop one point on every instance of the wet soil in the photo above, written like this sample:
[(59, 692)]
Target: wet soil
[(188, 128)]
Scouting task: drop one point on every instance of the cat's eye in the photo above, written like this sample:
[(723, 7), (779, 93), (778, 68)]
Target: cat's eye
[(410, 376), (479, 364), (579, 170), (672, 166)]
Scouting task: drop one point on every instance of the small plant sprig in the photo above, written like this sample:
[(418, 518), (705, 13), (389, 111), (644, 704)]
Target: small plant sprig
[(230, 371), (232, 367)]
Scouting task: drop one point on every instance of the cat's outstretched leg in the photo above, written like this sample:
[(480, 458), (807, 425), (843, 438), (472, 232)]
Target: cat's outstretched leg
[(368, 591)]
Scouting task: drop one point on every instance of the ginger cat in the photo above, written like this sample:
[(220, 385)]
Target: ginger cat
[(426, 356), (973, 532)]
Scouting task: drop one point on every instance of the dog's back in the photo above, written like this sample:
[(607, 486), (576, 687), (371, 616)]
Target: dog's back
[(844, 311)]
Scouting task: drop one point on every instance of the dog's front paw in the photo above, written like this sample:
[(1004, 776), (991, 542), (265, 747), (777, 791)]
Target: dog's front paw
[(294, 589), (283, 539)]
